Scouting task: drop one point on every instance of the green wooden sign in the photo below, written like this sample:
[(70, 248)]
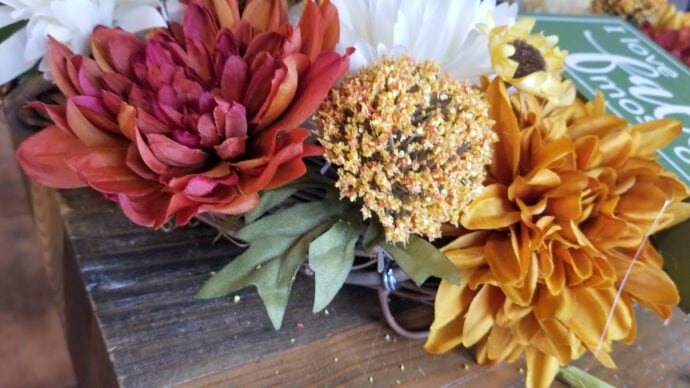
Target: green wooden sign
[(640, 80)]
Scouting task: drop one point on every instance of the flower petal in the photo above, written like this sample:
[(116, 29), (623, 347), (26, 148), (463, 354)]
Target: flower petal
[(507, 148), (282, 91), (491, 210), (47, 165), (445, 332), (480, 315), (541, 368), (105, 170), (88, 133), (289, 152), (313, 87), (115, 50), (175, 154), (14, 64), (265, 15)]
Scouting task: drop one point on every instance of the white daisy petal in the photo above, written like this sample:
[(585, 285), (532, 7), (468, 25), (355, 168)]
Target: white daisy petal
[(71, 22), (6, 16), (13, 64), (442, 31), (139, 18)]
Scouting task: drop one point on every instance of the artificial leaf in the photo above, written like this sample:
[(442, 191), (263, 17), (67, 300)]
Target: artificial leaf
[(274, 289), (272, 198), (278, 245), (420, 259), (269, 199), (577, 378), (373, 236), (228, 224), (672, 244), (330, 257), (8, 30)]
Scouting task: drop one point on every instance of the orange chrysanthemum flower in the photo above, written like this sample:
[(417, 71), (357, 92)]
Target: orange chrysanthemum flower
[(570, 199)]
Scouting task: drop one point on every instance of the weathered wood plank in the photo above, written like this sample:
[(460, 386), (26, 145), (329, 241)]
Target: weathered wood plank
[(141, 284)]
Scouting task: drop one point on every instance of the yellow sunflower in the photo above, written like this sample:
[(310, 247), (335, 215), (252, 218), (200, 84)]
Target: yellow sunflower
[(570, 199), (530, 62)]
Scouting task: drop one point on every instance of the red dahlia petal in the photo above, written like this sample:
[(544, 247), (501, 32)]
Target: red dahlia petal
[(234, 79), (232, 148), (106, 170), (200, 25), (116, 50), (58, 58), (42, 157), (314, 87), (290, 146), (175, 154)]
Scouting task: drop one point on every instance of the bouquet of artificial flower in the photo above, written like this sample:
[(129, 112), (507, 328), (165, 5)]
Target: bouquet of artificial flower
[(425, 139)]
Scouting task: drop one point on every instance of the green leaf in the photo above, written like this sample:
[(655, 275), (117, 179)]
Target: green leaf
[(373, 236), (420, 259), (272, 198), (227, 225), (8, 30), (278, 245), (673, 245), (577, 378), (330, 257), (269, 199)]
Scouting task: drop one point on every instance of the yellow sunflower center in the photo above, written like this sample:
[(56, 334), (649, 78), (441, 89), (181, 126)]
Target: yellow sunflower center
[(410, 142), (528, 57)]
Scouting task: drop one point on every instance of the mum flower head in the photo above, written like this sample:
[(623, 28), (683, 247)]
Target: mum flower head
[(442, 31), (70, 22), (198, 118), (410, 142), (560, 229), (530, 62)]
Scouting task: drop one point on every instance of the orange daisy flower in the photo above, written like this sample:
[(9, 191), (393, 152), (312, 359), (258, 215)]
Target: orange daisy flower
[(570, 199)]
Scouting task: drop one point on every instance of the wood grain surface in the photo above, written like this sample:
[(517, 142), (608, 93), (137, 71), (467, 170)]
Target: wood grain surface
[(133, 321)]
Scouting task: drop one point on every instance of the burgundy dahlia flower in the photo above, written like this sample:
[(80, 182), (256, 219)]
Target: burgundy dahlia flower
[(200, 117), (675, 41)]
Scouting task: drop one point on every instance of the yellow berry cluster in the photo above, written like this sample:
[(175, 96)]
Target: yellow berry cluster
[(408, 141), (637, 11), (669, 18)]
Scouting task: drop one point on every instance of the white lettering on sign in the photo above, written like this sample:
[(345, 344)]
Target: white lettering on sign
[(641, 94)]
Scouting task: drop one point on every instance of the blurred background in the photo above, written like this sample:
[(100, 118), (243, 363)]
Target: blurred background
[(33, 352)]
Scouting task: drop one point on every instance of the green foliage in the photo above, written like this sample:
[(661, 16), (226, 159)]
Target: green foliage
[(672, 244), (421, 259), (278, 245), (330, 257), (269, 199), (327, 230), (374, 235), (577, 378), (7, 31)]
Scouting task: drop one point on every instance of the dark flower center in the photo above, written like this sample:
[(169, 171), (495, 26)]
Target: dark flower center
[(529, 59)]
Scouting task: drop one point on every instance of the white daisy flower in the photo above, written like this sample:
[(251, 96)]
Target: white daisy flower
[(70, 22), (557, 6), (442, 31)]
